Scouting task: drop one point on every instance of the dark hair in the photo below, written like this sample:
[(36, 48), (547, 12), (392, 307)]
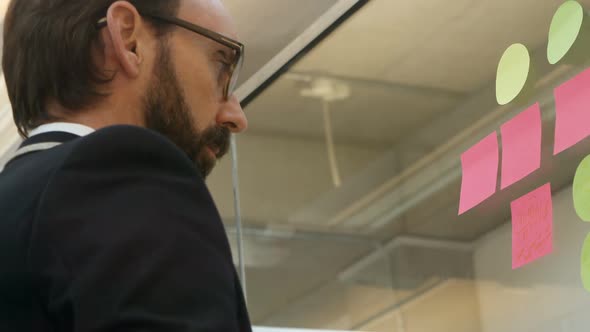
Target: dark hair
[(47, 54)]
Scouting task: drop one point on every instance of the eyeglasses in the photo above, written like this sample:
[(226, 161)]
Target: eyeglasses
[(238, 48)]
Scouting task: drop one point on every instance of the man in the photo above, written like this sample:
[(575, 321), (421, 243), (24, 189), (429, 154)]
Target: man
[(105, 221)]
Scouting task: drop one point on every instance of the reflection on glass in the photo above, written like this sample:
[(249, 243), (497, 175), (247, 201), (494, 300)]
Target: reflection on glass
[(350, 179)]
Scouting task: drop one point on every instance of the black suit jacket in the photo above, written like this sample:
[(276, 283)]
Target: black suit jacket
[(113, 232)]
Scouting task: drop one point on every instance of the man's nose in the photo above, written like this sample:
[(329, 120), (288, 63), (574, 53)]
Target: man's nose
[(232, 116)]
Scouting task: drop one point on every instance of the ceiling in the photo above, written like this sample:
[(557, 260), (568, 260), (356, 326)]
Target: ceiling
[(267, 26), (430, 43)]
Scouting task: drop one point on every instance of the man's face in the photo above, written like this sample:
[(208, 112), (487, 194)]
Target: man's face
[(167, 112), (184, 98)]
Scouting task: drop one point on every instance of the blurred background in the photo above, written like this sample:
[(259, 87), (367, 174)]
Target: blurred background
[(350, 171)]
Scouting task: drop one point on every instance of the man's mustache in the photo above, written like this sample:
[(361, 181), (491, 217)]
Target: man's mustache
[(217, 138)]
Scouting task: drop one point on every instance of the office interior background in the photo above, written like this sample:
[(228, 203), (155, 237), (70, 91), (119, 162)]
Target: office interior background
[(350, 172)]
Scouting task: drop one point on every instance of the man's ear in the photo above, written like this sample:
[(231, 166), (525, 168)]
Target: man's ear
[(123, 26)]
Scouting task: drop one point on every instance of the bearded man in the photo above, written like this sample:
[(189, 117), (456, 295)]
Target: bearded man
[(106, 223)]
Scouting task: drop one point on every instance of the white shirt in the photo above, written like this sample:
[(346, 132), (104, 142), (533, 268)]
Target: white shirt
[(72, 128)]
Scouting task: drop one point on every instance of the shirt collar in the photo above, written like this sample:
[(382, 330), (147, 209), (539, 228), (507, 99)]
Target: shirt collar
[(66, 127)]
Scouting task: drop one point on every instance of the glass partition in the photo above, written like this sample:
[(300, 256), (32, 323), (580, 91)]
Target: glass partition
[(415, 172)]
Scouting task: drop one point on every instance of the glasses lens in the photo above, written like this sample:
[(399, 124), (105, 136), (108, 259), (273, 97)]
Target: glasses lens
[(235, 75)]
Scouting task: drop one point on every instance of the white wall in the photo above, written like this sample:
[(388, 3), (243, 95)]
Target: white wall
[(545, 296), (8, 134)]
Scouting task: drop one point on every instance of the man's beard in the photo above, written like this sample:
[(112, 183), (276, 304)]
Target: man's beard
[(167, 112)]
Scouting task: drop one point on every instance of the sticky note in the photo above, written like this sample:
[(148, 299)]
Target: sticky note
[(532, 226), (565, 28), (480, 173), (585, 264), (572, 112), (521, 146), (581, 190), (512, 74)]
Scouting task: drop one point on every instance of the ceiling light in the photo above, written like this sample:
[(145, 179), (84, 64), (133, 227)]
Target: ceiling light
[(327, 89)]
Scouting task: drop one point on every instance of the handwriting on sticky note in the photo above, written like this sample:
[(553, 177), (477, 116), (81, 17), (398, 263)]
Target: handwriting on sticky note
[(480, 173), (532, 226), (521, 146), (572, 112)]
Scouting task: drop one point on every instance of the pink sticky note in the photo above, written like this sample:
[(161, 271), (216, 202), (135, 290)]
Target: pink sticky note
[(572, 108), (480, 173), (532, 226), (521, 146)]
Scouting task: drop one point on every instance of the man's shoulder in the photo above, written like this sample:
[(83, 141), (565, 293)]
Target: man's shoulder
[(126, 137), (123, 143)]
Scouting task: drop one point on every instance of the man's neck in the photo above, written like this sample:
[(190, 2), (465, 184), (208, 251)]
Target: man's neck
[(113, 110)]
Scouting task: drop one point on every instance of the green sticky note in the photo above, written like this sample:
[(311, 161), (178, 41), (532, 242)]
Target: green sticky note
[(585, 263), (564, 30), (513, 71), (581, 190)]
